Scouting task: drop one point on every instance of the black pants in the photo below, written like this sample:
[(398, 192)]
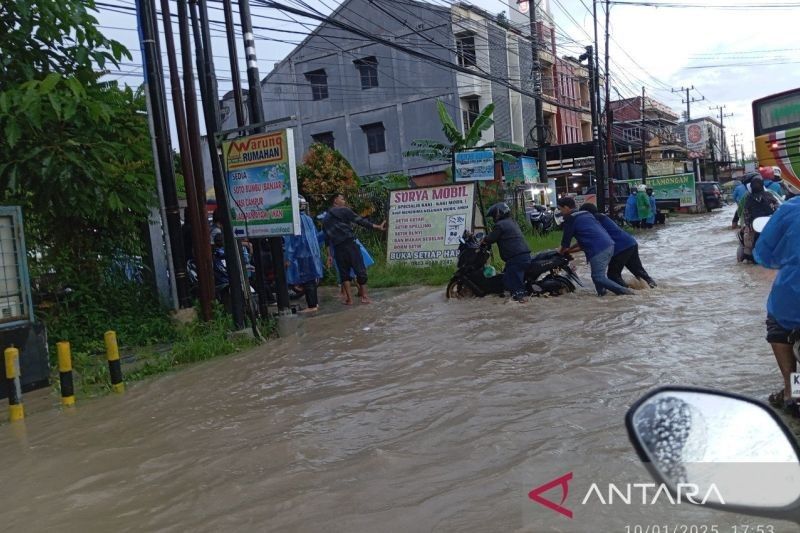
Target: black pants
[(348, 257), (628, 258), (634, 264), (310, 290), (617, 263)]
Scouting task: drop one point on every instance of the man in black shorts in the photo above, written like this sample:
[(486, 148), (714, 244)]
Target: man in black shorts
[(338, 227), (779, 248)]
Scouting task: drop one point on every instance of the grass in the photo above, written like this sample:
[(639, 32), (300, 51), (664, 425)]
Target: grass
[(157, 345), (382, 274)]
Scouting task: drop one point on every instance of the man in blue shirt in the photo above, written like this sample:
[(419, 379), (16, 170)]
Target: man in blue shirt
[(593, 240), (779, 247), (626, 250)]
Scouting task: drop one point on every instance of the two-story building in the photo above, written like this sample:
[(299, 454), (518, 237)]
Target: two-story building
[(370, 100), (654, 121)]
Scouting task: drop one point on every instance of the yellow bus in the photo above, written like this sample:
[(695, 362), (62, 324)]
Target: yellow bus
[(776, 123)]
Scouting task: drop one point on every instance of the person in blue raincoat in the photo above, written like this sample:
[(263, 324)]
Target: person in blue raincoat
[(303, 260), (651, 220), (631, 210), (779, 248)]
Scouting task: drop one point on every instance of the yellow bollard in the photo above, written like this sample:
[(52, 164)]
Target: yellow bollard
[(15, 409), (114, 364), (65, 374)]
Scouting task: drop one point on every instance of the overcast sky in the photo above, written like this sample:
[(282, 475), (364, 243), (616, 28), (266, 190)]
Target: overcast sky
[(730, 56)]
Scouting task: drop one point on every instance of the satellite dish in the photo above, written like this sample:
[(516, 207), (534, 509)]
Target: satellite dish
[(760, 223)]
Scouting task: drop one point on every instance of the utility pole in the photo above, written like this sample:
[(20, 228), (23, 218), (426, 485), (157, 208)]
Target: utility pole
[(689, 101), (210, 100), (736, 148), (643, 136), (609, 118), (201, 246), (594, 98), (713, 148), (230, 32), (256, 117), (159, 132), (723, 144), (541, 145)]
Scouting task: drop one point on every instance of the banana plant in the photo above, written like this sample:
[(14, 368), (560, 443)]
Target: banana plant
[(432, 150)]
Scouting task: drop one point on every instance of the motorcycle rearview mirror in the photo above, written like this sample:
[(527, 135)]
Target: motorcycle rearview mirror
[(760, 223), (733, 451), (479, 236)]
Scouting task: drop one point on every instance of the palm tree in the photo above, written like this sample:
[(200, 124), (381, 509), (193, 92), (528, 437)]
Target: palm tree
[(432, 150)]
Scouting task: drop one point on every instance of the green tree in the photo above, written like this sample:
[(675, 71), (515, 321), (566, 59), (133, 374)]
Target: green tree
[(433, 150), (325, 171), (77, 153)]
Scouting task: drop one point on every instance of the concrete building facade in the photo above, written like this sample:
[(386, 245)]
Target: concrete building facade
[(370, 100)]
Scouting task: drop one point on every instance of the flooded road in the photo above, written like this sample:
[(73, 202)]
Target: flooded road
[(413, 414)]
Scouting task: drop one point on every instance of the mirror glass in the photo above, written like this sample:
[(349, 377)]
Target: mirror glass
[(722, 449)]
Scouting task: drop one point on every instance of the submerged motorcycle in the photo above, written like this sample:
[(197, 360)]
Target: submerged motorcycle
[(549, 273)]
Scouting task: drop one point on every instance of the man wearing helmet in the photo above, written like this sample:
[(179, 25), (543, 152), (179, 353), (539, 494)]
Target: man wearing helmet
[(513, 249), (772, 179)]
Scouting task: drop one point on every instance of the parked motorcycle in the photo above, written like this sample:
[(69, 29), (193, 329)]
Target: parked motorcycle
[(544, 219), (549, 273)]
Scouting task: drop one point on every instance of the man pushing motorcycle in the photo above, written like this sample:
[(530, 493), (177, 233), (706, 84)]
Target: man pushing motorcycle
[(513, 249)]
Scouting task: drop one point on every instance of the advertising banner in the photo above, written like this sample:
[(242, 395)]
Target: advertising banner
[(696, 140), (667, 167), (262, 184), (679, 187), (474, 165), (581, 199), (524, 170), (425, 224)]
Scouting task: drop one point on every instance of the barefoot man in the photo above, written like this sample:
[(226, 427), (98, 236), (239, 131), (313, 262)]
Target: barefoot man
[(338, 226)]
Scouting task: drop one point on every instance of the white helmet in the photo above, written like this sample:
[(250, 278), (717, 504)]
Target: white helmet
[(777, 172), (641, 187)]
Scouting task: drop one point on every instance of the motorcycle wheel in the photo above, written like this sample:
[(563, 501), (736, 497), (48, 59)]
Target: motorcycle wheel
[(557, 285), (455, 289), (567, 283)]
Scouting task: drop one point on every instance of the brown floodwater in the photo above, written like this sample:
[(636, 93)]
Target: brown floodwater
[(412, 414)]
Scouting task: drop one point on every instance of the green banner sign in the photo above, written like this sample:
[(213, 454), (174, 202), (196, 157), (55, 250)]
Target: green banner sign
[(681, 187)]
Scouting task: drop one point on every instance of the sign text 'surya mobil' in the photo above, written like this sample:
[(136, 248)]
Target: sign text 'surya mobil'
[(425, 224), (262, 184)]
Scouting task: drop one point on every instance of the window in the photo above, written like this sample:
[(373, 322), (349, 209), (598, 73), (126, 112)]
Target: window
[(319, 84), (465, 49), (368, 69), (469, 111), (376, 143), (325, 138), (631, 134)]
